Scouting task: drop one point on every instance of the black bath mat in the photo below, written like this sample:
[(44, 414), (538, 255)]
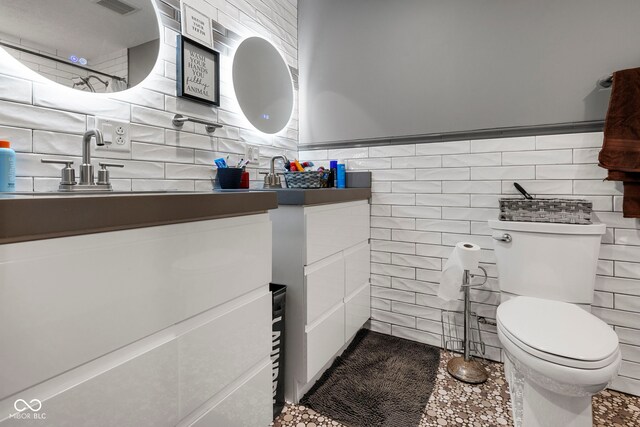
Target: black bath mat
[(378, 381)]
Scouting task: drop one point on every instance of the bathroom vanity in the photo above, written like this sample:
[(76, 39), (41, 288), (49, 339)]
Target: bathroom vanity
[(136, 310), (321, 252)]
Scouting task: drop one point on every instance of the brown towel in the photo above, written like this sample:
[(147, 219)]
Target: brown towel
[(631, 200), (620, 152)]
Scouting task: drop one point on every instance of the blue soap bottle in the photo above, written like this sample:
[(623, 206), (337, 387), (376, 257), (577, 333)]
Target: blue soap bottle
[(341, 180), (7, 167)]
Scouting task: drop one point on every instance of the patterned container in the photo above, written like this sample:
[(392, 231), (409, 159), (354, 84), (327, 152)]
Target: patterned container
[(563, 211), (315, 179)]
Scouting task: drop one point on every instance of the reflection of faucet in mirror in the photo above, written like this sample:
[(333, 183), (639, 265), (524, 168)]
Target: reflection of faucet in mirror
[(115, 85)]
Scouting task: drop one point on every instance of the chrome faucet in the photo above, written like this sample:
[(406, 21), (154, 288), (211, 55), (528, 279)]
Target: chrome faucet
[(87, 179), (86, 168), (272, 179)]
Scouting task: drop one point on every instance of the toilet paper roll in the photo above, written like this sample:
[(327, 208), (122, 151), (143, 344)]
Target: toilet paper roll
[(465, 256), (468, 255)]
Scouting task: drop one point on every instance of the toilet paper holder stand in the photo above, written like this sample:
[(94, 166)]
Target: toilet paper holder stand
[(465, 368)]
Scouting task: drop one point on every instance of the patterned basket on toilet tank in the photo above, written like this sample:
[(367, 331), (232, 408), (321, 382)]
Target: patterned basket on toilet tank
[(315, 179), (563, 211)]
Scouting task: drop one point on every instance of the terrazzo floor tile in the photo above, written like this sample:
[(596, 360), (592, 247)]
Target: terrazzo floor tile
[(453, 403)]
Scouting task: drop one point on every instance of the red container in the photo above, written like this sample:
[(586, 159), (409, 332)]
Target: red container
[(244, 180)]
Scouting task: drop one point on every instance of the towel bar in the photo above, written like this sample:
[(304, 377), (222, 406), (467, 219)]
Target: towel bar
[(606, 81), (179, 120)]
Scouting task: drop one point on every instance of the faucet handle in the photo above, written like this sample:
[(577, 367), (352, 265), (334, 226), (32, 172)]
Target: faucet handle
[(68, 175), (272, 180), (103, 173)]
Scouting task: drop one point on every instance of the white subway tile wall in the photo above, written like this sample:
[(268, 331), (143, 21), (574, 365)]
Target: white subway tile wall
[(44, 120), (426, 196), (424, 204)]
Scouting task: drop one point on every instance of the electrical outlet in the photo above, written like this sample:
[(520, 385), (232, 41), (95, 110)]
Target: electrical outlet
[(252, 153), (116, 135)]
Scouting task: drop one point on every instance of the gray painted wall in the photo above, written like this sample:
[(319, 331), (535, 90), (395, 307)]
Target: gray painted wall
[(380, 68)]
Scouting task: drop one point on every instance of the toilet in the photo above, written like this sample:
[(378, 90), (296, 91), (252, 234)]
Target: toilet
[(557, 353)]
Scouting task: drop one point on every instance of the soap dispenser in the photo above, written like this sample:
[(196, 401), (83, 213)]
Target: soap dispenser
[(7, 167)]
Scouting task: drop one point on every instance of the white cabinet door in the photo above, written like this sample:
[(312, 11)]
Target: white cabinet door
[(334, 228), (324, 286), (357, 310), (324, 340), (357, 265)]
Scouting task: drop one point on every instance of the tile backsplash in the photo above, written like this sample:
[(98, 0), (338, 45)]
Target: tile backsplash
[(428, 197), (45, 120)]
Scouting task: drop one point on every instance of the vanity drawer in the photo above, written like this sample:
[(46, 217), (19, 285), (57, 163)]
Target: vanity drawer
[(241, 408), (164, 377), (330, 229), (140, 391), (324, 340), (357, 265), (324, 286), (357, 310), (220, 351), (69, 300)]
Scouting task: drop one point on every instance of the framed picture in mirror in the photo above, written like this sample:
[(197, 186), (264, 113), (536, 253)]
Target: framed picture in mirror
[(198, 72)]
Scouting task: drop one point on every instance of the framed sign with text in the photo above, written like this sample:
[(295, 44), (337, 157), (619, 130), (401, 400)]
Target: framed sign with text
[(195, 23), (198, 72)]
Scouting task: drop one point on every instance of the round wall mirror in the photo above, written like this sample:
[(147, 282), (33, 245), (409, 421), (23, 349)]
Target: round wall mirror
[(262, 82), (89, 45)]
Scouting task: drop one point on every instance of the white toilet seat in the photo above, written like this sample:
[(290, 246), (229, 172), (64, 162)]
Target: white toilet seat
[(558, 330), (559, 360), (583, 351)]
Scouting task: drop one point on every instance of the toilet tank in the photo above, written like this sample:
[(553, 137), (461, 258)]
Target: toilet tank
[(552, 261)]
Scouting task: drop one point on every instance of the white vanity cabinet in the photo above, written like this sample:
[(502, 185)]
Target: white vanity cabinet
[(157, 326), (322, 254)]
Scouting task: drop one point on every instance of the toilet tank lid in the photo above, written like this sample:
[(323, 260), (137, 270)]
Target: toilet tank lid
[(545, 227)]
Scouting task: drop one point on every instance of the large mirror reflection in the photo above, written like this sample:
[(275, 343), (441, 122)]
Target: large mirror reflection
[(89, 45), (262, 83)]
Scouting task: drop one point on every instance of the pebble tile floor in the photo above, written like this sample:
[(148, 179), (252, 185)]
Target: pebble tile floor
[(453, 403)]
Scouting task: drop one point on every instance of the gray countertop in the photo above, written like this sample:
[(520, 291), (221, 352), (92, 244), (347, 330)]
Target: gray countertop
[(25, 216), (313, 196), (320, 196), (35, 216)]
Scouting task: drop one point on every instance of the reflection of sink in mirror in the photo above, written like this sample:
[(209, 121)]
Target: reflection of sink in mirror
[(105, 46)]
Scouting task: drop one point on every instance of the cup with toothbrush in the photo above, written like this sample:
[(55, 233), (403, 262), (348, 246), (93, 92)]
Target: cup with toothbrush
[(229, 178)]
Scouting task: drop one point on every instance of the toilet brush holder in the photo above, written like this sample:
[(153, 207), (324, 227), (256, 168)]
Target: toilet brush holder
[(465, 368)]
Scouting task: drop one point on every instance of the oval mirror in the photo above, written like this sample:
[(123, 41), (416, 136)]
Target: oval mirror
[(263, 86), (90, 45)]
